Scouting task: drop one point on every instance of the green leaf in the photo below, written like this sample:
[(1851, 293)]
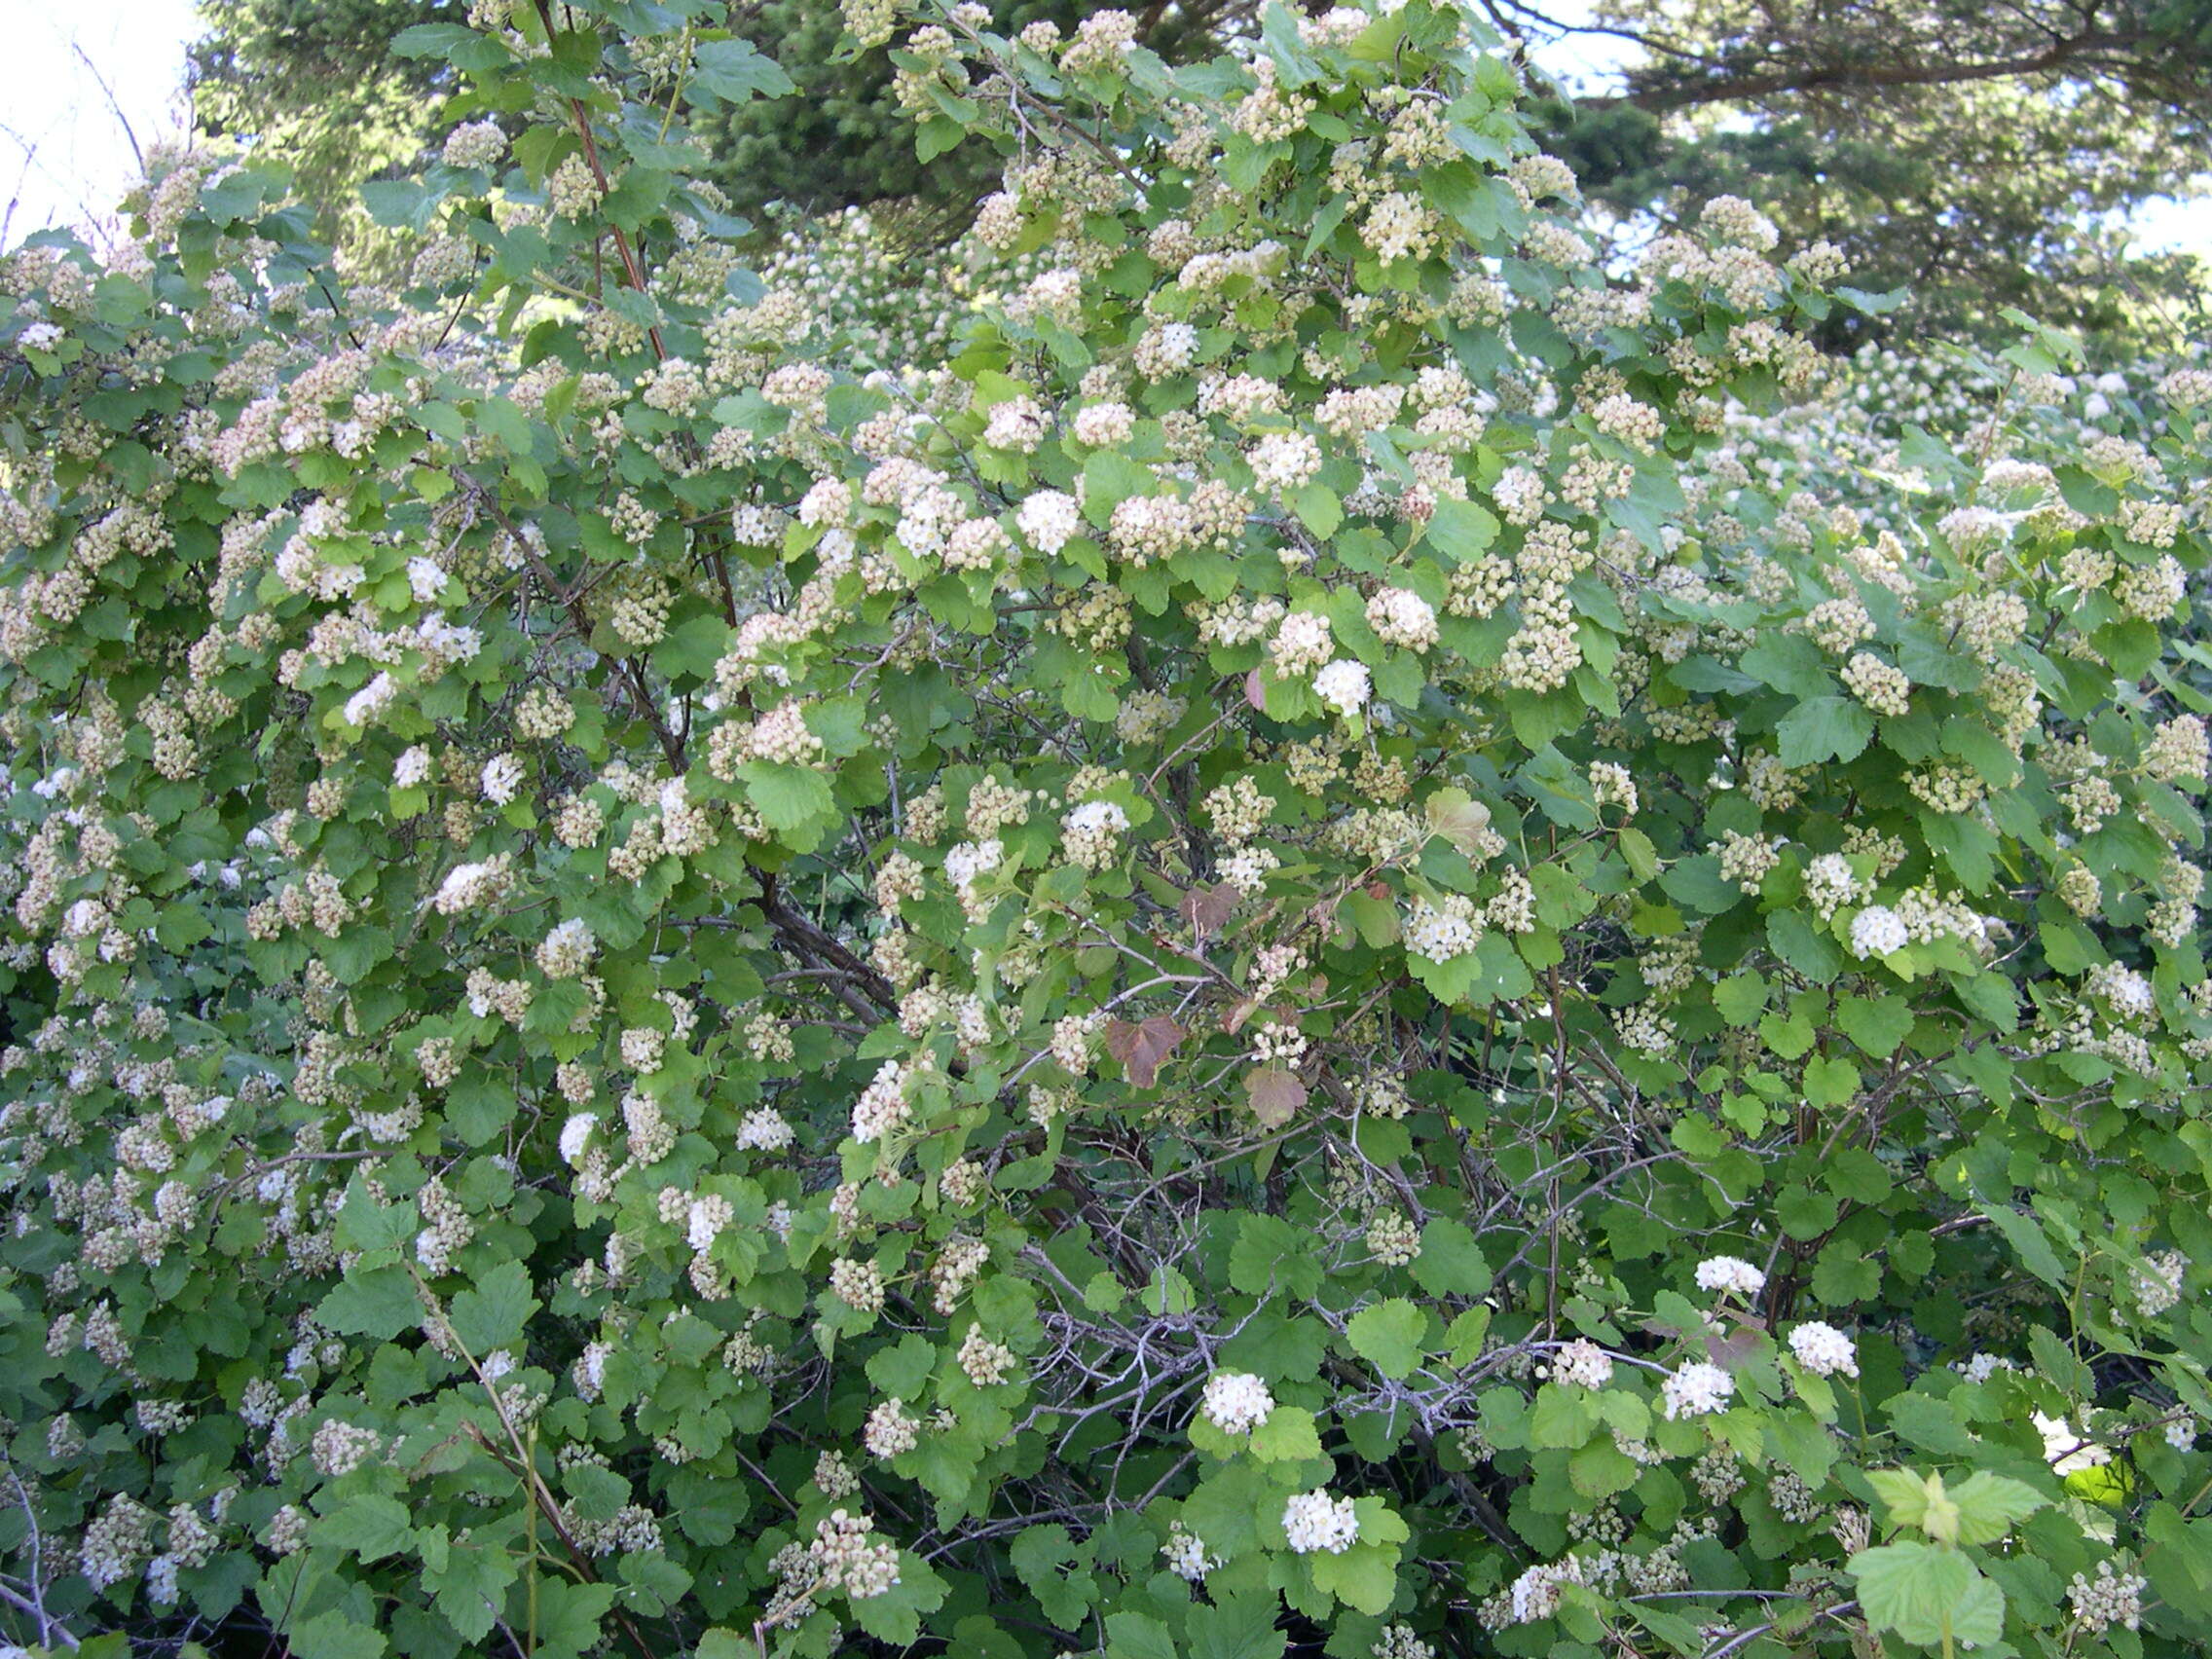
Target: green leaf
[(569, 1616), (1697, 882), (1235, 1627), (1804, 1213), (1364, 1578), (471, 1586), (432, 40), (1600, 1468), (903, 1372), (1797, 942), (1872, 303), (1138, 1636), (1288, 1434), (1925, 1593), (397, 204), (1830, 1080), (787, 796), (355, 951), (1461, 529), (1272, 1254), (1057, 1570), (1317, 509), (492, 1312), (371, 1524), (1561, 1418), (1390, 1336), (1824, 728), (1990, 1506), (735, 71), (1449, 1263), (335, 1635), (1876, 1025), (1366, 1575), (2029, 1242), (364, 1223), (690, 650), (937, 136), (376, 1302), (1789, 663)]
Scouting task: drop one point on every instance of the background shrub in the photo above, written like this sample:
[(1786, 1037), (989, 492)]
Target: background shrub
[(1272, 951)]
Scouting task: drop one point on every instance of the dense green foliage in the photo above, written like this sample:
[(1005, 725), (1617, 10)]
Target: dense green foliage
[(317, 85), (1980, 159), (1284, 929), (314, 84), (1984, 156)]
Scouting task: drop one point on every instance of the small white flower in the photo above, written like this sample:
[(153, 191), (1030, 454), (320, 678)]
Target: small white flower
[(425, 579), (1049, 520), (968, 860), (1237, 1402), (1184, 1553), (1315, 1521), (1824, 1351), (1584, 1363), (371, 700), (1876, 931), (1730, 1274), (1343, 685), (1536, 1593), (467, 885), (1695, 1390), (704, 1221), (576, 1135), (2065, 1447), (501, 778)]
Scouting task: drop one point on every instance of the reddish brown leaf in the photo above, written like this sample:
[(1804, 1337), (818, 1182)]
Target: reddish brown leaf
[(1735, 1351), (1207, 909), (1255, 692), (1142, 1048), (1276, 1095)]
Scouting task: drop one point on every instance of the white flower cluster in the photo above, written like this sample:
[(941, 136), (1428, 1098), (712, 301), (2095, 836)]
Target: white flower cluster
[(1831, 883), (1824, 1351), (1403, 618), (1536, 1594), (472, 886), (1696, 1390), (1732, 1274), (1049, 520), (1185, 1554), (1092, 834), (1304, 643), (566, 950), (2112, 1598), (2158, 1288), (848, 1559), (1237, 1402), (1877, 930), (1313, 1521), (1442, 932), (1582, 1363), (890, 1431), (882, 1105), (1343, 685)]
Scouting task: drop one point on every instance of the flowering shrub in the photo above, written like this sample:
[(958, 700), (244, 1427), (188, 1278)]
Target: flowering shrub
[(1247, 962)]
